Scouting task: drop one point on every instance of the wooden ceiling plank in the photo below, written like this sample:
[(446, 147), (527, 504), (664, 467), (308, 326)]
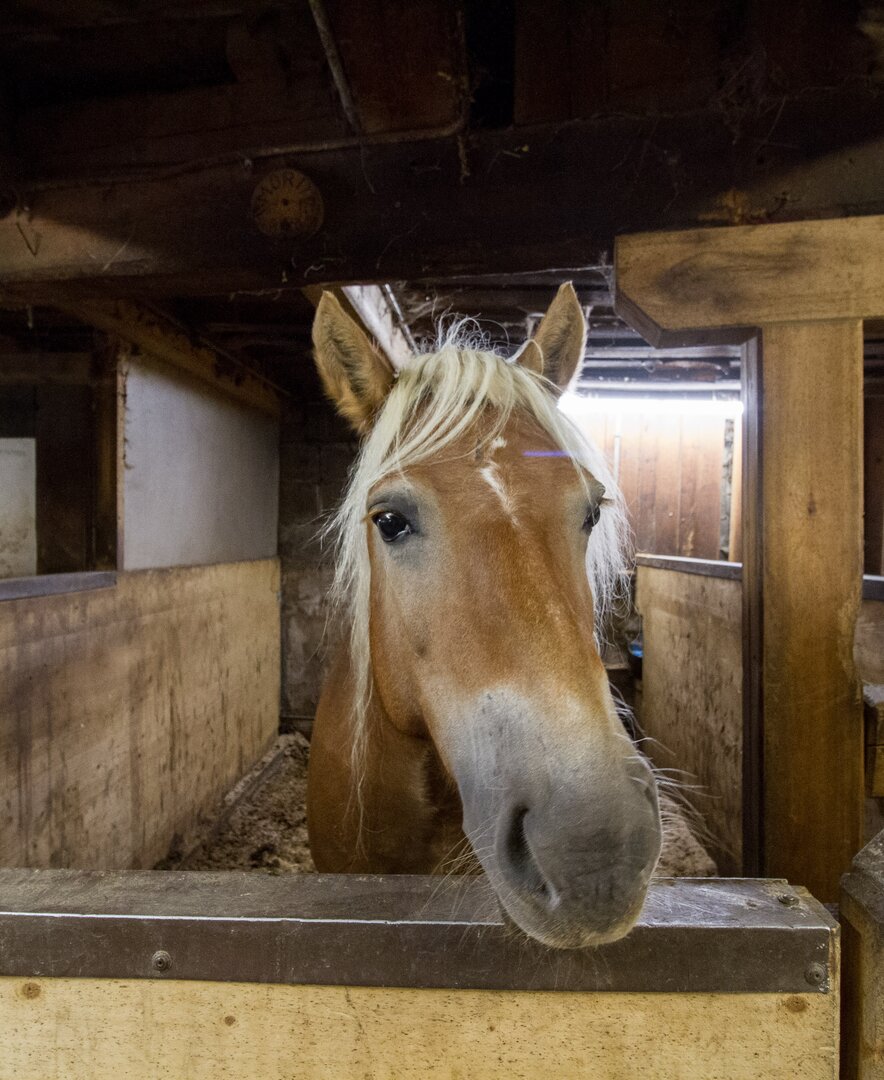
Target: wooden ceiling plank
[(549, 199)]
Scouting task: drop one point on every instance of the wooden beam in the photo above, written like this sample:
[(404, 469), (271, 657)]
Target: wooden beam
[(159, 336), (280, 94), (510, 201), (807, 286), (696, 281)]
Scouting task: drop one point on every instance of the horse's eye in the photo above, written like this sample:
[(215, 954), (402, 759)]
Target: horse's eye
[(391, 526), (592, 518)]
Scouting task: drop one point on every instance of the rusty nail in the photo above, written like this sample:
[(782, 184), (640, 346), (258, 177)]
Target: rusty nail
[(815, 974), (161, 961)]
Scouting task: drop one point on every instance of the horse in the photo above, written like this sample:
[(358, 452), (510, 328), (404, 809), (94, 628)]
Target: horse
[(466, 705)]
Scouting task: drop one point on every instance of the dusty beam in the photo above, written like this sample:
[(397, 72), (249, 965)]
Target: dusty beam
[(159, 336), (807, 287), (542, 198)]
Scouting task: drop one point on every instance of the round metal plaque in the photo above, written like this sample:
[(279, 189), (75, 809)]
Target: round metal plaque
[(286, 203)]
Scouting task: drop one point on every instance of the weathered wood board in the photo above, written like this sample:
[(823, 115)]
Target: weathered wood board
[(862, 909), (811, 478), (692, 694), (381, 977), (92, 1029), (125, 712), (673, 283)]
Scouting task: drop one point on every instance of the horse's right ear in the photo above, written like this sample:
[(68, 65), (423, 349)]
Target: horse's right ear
[(356, 376)]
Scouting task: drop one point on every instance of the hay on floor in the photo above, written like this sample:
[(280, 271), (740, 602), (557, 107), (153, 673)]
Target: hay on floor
[(266, 829)]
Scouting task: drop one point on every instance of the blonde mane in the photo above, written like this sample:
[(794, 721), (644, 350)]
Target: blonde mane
[(437, 397)]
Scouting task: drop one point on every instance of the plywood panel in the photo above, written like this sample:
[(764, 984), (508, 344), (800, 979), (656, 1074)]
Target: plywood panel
[(82, 1029), (201, 475), (692, 693), (125, 712)]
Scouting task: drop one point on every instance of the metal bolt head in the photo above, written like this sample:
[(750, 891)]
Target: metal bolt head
[(788, 899), (815, 974), (161, 961)]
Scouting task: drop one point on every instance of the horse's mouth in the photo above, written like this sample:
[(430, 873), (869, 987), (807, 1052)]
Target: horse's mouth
[(572, 930)]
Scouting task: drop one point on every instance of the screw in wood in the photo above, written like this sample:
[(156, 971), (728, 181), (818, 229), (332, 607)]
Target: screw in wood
[(161, 961)]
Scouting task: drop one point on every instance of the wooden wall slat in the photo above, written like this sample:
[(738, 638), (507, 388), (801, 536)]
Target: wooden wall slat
[(126, 712), (670, 474)]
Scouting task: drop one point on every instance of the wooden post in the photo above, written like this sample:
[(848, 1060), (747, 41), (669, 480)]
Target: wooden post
[(811, 420), (807, 286)]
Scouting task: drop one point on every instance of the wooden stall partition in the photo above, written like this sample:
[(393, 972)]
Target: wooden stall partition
[(862, 913), (807, 286), (213, 976), (692, 688), (126, 711)]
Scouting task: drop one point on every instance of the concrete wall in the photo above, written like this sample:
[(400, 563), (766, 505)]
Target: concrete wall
[(316, 450), (200, 482), (18, 508)]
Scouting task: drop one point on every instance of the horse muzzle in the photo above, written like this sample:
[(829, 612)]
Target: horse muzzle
[(572, 869)]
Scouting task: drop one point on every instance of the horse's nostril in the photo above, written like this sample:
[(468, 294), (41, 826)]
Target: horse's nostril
[(522, 863), (516, 841)]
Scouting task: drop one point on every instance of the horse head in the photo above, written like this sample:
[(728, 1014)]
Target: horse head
[(472, 515)]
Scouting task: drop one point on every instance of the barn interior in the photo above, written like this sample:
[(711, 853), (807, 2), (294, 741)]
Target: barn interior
[(179, 183), (177, 186)]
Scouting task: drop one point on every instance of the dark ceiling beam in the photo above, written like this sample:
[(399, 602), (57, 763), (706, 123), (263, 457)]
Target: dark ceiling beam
[(551, 198), (42, 15)]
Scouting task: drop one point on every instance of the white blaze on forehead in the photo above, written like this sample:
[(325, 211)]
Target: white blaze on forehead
[(491, 475)]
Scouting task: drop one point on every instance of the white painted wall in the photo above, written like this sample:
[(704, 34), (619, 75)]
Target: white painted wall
[(18, 508), (201, 476)]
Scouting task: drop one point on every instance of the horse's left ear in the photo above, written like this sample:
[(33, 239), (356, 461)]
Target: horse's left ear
[(356, 376), (557, 347)]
